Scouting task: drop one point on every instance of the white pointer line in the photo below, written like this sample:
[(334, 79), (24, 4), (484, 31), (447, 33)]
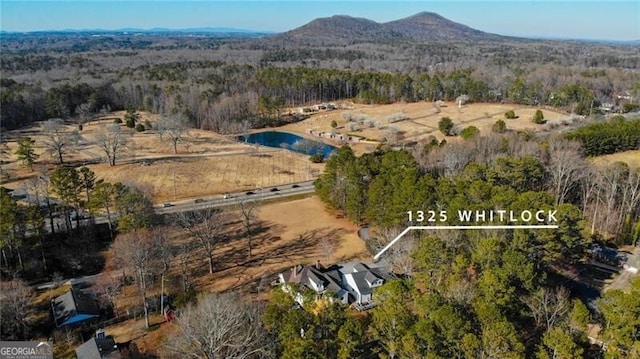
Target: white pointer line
[(532, 226)]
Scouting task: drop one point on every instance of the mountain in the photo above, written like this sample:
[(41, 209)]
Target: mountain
[(422, 27), (339, 28), (428, 26)]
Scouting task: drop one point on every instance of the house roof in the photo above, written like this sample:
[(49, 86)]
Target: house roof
[(98, 348), (334, 279), (73, 307)]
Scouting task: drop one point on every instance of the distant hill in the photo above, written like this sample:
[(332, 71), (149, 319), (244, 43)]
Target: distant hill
[(422, 27), (428, 26)]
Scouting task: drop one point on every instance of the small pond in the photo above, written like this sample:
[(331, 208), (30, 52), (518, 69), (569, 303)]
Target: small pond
[(289, 141)]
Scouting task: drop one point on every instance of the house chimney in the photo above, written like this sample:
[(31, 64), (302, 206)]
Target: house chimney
[(100, 333), (294, 271), (318, 264)]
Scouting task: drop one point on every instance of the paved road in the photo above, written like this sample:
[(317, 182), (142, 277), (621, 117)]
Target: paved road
[(218, 201)]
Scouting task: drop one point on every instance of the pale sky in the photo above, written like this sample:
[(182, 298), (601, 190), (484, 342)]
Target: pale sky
[(606, 20)]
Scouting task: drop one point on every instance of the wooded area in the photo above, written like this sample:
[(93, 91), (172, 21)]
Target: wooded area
[(218, 87)]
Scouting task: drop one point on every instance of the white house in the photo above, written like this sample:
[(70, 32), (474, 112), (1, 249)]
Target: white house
[(351, 282)]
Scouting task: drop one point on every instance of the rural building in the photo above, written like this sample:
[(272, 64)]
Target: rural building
[(352, 282), (98, 348), (74, 307), (102, 346)]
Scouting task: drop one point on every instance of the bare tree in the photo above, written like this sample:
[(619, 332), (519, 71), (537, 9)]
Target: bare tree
[(455, 157), (165, 255), (630, 197), (549, 306), (58, 140), (175, 127), (588, 186), (488, 148), (107, 287), (84, 112), (15, 303), (611, 181), (138, 251), (327, 246), (207, 227), (184, 255), (112, 140), (565, 166), (220, 326), (248, 211), (401, 258)]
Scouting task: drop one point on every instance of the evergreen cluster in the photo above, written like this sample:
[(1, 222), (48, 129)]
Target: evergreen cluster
[(616, 135)]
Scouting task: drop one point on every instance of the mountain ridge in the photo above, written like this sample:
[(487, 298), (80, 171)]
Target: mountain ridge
[(422, 27)]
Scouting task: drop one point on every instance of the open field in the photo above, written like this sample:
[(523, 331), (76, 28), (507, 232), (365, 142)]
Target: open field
[(206, 163), (632, 158), (422, 119)]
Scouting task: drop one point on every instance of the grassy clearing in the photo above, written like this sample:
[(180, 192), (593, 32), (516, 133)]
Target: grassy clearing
[(422, 118), (632, 158), (206, 163)]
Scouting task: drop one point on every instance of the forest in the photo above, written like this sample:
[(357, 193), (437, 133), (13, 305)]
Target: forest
[(219, 83), (500, 293)]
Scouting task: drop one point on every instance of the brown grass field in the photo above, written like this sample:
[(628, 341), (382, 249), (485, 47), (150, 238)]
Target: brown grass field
[(423, 119), (632, 158), (206, 163)]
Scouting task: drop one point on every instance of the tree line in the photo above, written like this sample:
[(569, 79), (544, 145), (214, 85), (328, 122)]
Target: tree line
[(379, 187), (616, 135), (221, 96)]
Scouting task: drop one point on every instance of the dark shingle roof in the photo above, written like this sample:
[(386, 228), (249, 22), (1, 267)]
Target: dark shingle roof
[(333, 278), (98, 348), (74, 307), (361, 282)]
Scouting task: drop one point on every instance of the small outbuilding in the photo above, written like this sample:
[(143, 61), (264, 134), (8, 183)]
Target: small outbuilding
[(74, 307)]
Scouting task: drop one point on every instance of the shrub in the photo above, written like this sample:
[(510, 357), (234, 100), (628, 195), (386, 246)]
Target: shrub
[(630, 107), (445, 125), (131, 122), (538, 118), (396, 117), (117, 120), (510, 115), (184, 298), (130, 118), (334, 124), (317, 158), (469, 132), (140, 127), (499, 127)]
